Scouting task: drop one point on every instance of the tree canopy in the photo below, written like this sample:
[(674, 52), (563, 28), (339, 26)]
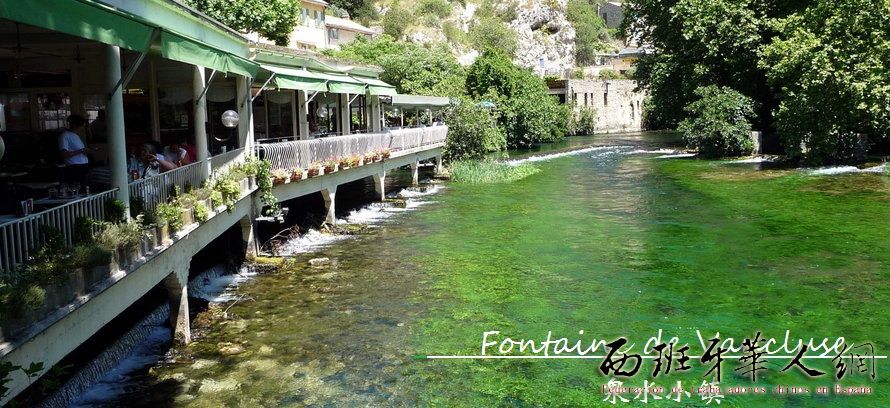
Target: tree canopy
[(273, 19)]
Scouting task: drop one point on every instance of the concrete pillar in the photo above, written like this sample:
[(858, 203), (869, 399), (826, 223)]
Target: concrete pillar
[(245, 113), (380, 186), (329, 194), (199, 81), (414, 168), (374, 102), (439, 166), (303, 115), (248, 237), (117, 142), (177, 290), (343, 115), (154, 103)]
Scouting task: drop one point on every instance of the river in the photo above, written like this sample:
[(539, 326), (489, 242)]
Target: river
[(624, 238)]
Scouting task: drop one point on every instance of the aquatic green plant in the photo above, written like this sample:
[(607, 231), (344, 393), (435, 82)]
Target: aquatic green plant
[(489, 171)]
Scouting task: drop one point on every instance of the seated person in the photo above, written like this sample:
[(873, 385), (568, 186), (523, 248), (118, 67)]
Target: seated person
[(151, 163), (182, 153)]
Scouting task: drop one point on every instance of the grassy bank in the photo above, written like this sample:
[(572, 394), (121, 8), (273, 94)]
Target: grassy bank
[(489, 171)]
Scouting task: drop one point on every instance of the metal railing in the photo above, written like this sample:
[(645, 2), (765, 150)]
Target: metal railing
[(222, 161), (157, 189), (19, 238), (303, 153)]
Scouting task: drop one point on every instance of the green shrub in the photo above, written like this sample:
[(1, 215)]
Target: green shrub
[(472, 132), (18, 298), (171, 215), (438, 8), (396, 21), (89, 256), (610, 74), (202, 213), (114, 210), (718, 123), (489, 171), (125, 236), (582, 122), (490, 33), (453, 33)]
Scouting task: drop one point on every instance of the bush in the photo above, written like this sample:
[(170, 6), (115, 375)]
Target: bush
[(526, 112), (396, 21), (125, 235), (490, 33), (171, 215), (609, 74), (438, 8), (89, 256), (202, 213), (718, 123), (489, 171), (582, 122), (472, 132), (591, 34)]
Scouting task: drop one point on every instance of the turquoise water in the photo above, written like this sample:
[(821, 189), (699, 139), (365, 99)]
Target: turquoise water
[(619, 241)]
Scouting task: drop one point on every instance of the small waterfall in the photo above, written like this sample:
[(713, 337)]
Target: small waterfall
[(141, 346)]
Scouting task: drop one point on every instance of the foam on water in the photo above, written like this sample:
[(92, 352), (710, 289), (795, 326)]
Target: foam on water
[(545, 157), (675, 156), (834, 170), (759, 159)]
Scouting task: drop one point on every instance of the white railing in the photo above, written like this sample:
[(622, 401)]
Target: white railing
[(224, 160), (157, 189), (303, 153), (19, 238)]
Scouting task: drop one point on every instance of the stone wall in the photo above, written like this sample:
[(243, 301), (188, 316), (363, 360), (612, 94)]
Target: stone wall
[(617, 103)]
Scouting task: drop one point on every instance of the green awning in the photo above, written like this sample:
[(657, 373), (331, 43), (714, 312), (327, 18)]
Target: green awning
[(85, 19), (377, 87), (182, 49), (343, 84), (288, 78)]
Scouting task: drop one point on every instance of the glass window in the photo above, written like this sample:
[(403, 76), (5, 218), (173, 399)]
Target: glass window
[(15, 113), (94, 108), (53, 110), (280, 113), (259, 117)]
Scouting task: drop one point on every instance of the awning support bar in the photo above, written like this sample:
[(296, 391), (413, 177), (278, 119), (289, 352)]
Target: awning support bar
[(125, 79), (354, 98), (314, 94), (206, 87), (271, 77)]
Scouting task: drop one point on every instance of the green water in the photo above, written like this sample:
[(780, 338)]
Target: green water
[(615, 245)]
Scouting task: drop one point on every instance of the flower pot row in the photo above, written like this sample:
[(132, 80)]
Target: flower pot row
[(331, 165)]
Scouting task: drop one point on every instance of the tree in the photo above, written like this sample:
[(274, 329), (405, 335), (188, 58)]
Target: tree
[(472, 131), (591, 34), (396, 21), (829, 66), (526, 112), (705, 42), (362, 10), (717, 125), (411, 68), (490, 33), (273, 19)]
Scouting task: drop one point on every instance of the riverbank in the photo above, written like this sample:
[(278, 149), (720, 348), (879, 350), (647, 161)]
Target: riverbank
[(621, 240)]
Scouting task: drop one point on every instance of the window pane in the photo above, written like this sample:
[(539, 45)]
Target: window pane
[(15, 113)]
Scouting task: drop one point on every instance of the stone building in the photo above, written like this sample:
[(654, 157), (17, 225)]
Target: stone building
[(612, 13), (618, 104)]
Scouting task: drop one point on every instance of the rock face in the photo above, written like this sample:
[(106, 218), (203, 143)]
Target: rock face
[(546, 37)]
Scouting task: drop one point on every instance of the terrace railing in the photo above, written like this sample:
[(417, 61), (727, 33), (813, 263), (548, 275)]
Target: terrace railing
[(303, 153), (19, 238), (157, 189), (222, 161)]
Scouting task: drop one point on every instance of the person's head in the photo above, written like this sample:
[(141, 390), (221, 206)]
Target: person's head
[(147, 152), (100, 115), (76, 122)]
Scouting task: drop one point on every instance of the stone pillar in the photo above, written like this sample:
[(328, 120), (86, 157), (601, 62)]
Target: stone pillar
[(329, 194), (380, 186), (414, 179), (374, 118), (117, 142), (344, 116), (177, 289), (245, 113), (303, 115), (439, 165), (199, 81), (248, 237)]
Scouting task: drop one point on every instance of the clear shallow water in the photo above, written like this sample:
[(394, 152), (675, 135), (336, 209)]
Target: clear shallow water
[(619, 241)]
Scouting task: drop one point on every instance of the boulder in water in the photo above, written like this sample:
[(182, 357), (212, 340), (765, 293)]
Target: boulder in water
[(319, 261)]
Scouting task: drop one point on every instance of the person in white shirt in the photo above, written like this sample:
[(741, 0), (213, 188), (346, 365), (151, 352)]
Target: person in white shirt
[(151, 163), (72, 149)]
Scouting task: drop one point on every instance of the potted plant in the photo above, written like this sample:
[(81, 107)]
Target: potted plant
[(313, 170), (384, 154), (330, 165), (297, 174), (280, 176), (354, 160), (171, 215), (345, 163)]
